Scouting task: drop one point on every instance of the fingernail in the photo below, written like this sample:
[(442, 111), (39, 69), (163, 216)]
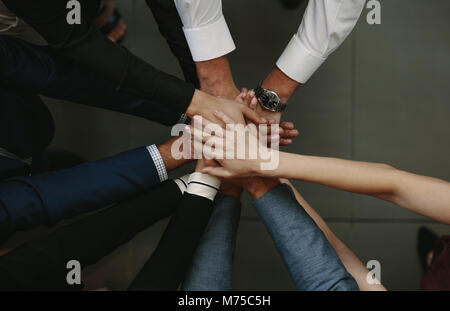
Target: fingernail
[(263, 120)]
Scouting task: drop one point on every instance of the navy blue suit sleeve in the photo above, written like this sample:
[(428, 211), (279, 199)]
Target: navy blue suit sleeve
[(47, 198)]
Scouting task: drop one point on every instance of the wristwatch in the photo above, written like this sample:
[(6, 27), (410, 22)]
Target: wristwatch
[(269, 100)]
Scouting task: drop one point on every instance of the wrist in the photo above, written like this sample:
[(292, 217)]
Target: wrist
[(231, 190), (216, 78), (165, 150), (281, 84), (260, 186), (199, 102)]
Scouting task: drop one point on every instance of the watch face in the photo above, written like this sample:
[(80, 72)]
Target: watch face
[(270, 100)]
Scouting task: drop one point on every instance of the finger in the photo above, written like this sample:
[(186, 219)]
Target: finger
[(244, 91), (211, 163), (289, 133), (287, 125), (253, 103), (220, 172), (223, 117), (273, 139), (240, 98), (252, 115), (201, 123), (285, 142), (250, 96), (268, 130)]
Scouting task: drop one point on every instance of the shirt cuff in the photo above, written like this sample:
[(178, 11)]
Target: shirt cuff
[(297, 62), (210, 41), (159, 163), (182, 182), (203, 185)]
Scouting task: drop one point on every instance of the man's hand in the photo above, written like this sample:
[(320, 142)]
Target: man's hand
[(287, 129), (240, 165), (206, 105)]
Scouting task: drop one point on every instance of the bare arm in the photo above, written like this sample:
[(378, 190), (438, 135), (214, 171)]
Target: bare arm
[(427, 196), (423, 195)]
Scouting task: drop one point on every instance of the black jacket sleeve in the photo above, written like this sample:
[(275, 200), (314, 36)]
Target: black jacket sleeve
[(171, 28), (169, 263), (86, 44), (41, 265)]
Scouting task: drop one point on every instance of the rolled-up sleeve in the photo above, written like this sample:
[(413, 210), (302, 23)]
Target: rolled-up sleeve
[(205, 28), (325, 26)]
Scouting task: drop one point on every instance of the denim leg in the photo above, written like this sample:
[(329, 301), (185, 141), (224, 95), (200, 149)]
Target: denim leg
[(211, 267), (312, 262)]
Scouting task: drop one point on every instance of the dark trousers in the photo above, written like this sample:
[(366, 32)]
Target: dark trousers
[(41, 265)]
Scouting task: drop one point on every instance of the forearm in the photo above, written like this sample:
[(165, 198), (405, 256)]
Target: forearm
[(351, 262), (427, 196), (170, 163), (170, 261), (41, 265), (46, 198), (281, 84), (216, 78), (424, 195), (87, 45), (353, 176), (312, 262)]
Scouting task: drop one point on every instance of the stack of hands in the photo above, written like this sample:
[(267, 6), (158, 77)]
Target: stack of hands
[(240, 161)]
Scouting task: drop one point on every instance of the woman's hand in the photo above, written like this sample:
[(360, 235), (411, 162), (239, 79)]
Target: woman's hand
[(244, 156)]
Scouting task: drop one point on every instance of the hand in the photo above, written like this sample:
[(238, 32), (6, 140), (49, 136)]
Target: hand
[(256, 186), (287, 129), (241, 165), (206, 105)]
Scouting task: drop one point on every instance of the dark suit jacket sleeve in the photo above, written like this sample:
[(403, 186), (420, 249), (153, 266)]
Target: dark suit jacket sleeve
[(41, 265), (170, 261), (47, 198), (171, 28), (86, 44)]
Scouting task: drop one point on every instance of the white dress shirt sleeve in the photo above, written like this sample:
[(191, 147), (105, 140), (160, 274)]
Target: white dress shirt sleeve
[(325, 25), (203, 185), (205, 28)]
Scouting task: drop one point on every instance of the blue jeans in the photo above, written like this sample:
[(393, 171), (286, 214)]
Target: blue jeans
[(312, 262), (26, 71), (212, 264)]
